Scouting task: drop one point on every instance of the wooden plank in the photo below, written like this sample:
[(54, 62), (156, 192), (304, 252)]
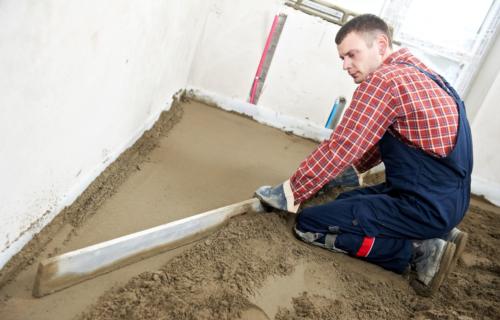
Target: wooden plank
[(68, 269)]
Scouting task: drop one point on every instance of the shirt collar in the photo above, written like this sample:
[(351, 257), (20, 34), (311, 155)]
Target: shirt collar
[(400, 55)]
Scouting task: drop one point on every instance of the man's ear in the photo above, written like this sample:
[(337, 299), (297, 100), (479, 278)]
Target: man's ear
[(382, 43)]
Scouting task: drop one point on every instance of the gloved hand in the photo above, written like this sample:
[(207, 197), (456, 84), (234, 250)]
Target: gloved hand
[(348, 178), (279, 197)]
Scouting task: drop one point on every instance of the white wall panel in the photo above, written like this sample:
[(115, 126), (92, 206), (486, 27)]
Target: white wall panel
[(486, 136)]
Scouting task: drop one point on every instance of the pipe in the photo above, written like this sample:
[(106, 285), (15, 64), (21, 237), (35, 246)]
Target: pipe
[(335, 114)]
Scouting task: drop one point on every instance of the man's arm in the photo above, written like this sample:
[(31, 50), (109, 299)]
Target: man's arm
[(369, 160), (371, 112)]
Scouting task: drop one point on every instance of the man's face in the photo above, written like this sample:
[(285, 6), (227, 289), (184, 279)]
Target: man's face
[(361, 55)]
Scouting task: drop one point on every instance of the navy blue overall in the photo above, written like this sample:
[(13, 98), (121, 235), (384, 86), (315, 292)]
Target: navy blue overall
[(423, 197)]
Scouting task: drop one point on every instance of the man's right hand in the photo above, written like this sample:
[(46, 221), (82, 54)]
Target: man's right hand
[(348, 178)]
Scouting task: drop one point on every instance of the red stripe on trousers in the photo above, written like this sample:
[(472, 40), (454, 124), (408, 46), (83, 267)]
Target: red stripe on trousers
[(366, 247)]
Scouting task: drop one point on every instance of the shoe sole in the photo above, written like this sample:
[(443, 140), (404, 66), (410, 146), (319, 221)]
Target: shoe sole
[(265, 206), (445, 266), (460, 242)]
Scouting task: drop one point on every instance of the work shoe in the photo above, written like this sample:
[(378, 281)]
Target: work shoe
[(313, 238), (459, 238), (432, 262)]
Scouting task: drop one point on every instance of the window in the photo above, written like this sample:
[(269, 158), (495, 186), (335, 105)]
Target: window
[(450, 36)]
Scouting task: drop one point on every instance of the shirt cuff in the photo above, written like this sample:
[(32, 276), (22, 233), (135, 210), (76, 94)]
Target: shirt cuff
[(290, 199), (360, 175)]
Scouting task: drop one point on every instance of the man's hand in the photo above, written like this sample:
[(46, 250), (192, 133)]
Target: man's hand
[(348, 178), (279, 197)]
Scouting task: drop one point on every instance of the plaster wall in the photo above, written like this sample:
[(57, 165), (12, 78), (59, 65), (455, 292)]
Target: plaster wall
[(485, 135), (484, 80), (80, 82), (482, 110)]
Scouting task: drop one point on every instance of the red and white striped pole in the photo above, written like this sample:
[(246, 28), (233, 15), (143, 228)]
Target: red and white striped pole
[(263, 59)]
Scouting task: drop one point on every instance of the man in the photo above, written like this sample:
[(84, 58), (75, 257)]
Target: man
[(404, 115)]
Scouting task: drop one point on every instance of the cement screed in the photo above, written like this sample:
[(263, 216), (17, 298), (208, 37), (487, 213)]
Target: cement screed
[(253, 267)]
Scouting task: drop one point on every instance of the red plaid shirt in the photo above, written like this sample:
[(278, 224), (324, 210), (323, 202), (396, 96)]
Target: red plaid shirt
[(396, 98)]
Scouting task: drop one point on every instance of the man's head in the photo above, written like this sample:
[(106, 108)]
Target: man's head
[(363, 44)]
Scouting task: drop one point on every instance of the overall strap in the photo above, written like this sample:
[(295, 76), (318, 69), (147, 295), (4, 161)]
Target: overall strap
[(439, 80), (462, 168)]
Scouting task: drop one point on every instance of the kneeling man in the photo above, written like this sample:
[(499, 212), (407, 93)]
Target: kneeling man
[(408, 117)]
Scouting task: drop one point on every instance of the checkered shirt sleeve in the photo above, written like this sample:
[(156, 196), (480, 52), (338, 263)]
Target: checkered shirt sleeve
[(396, 97), (353, 141)]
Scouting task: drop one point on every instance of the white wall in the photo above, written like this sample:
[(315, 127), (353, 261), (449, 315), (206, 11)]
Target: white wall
[(482, 103), (80, 82), (484, 79), (486, 135)]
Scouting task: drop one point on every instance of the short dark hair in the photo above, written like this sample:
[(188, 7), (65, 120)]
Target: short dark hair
[(365, 23)]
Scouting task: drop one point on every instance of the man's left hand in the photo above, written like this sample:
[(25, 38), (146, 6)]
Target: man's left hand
[(348, 178), (279, 197)]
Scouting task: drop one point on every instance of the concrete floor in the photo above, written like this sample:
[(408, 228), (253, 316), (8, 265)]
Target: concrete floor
[(210, 159)]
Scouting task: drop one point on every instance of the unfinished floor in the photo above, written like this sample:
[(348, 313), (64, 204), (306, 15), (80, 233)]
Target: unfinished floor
[(209, 159), (253, 267)]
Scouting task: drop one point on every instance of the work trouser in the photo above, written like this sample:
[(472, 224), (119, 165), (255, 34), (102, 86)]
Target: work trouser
[(368, 224), (424, 197)]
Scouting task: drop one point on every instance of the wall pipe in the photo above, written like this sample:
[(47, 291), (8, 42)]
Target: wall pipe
[(336, 113)]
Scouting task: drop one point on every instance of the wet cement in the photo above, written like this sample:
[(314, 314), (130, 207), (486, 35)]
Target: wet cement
[(253, 268), (209, 159)]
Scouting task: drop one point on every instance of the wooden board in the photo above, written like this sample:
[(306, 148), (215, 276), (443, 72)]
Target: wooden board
[(65, 270)]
